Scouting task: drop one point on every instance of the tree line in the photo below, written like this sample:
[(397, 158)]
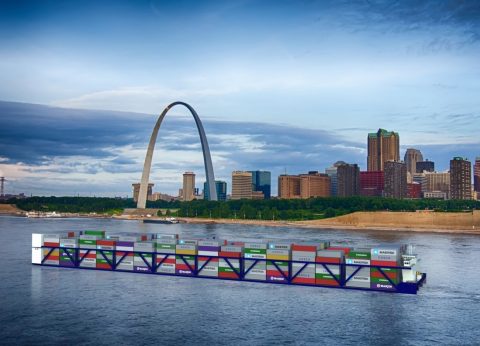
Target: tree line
[(272, 209)]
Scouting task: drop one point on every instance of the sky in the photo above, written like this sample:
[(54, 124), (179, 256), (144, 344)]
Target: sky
[(285, 86)]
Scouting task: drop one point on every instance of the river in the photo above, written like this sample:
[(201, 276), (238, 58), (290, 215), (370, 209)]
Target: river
[(45, 305)]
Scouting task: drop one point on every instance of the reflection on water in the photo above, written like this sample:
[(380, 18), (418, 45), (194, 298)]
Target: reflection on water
[(92, 307)]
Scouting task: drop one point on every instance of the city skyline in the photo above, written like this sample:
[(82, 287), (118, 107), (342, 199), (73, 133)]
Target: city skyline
[(295, 90), (102, 152)]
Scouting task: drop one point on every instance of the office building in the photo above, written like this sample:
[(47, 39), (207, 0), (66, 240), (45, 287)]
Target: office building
[(288, 186), (412, 156), (435, 195), (136, 191), (262, 181), (314, 184), (188, 190), (221, 187), (435, 182), (309, 185), (383, 146), (460, 178), (425, 166), (476, 176), (348, 180), (158, 196), (395, 180), (241, 185), (371, 183), (414, 190), (332, 173)]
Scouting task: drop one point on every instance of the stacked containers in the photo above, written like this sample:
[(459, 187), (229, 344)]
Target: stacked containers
[(280, 255), (51, 240), (322, 275), (143, 249), (124, 248), (165, 248), (252, 252), (185, 251), (304, 253), (70, 244), (358, 256), (86, 242), (103, 245), (208, 248), (233, 253), (387, 256)]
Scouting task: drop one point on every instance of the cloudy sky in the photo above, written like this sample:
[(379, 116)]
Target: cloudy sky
[(280, 85)]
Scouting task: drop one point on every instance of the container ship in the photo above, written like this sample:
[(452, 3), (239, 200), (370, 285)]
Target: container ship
[(384, 268)]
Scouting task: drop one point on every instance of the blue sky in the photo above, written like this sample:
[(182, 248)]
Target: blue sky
[(293, 85)]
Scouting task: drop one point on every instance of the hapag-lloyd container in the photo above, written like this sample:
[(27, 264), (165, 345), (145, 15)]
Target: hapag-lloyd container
[(143, 249), (125, 250), (165, 249), (322, 275), (277, 268), (185, 257), (87, 257), (103, 245), (233, 253), (252, 252), (67, 254)]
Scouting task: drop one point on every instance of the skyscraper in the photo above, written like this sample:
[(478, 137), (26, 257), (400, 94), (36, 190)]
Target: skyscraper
[(460, 178), (332, 173), (395, 179), (348, 179), (262, 181), (476, 175), (221, 187), (426, 165), (188, 189), (412, 156), (383, 146), (241, 185)]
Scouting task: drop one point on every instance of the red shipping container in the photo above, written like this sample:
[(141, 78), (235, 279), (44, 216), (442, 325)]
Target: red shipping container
[(384, 263), (377, 274), (103, 266), (227, 275), (212, 259), (328, 260), (297, 247), (326, 282), (106, 242), (169, 260), (310, 281), (230, 254), (51, 244)]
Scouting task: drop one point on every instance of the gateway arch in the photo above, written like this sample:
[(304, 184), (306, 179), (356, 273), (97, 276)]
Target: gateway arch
[(207, 160)]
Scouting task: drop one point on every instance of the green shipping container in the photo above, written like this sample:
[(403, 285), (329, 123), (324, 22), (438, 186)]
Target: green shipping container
[(255, 251), (326, 276), (87, 242), (359, 255), (95, 233)]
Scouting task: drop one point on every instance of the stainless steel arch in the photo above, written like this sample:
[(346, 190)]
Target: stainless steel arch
[(207, 160)]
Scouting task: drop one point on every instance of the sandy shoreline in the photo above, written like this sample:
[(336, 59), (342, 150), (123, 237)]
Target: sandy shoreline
[(318, 224)]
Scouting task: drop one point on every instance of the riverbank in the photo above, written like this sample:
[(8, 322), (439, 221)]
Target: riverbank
[(422, 221)]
